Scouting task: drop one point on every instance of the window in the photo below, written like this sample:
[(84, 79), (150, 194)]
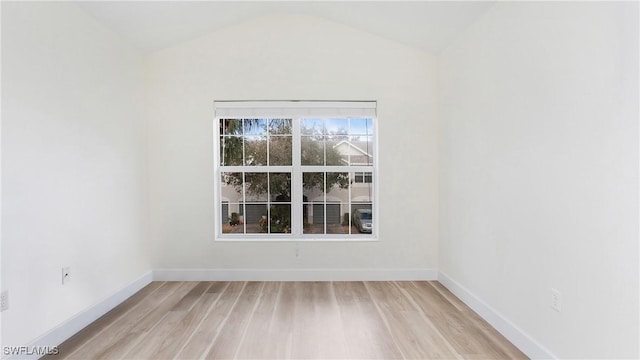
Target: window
[(295, 170), (363, 178)]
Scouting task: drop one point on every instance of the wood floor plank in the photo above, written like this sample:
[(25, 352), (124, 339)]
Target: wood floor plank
[(200, 342), (161, 336), (186, 327), (226, 344), (305, 327), (282, 322), (412, 335), (457, 303), (365, 331), (290, 320), (260, 341), (192, 297), (332, 342)]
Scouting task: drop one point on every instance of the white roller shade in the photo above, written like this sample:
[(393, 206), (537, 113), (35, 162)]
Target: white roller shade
[(258, 109)]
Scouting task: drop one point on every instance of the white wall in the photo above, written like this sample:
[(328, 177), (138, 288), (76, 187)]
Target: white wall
[(72, 164), (539, 171), (285, 57)]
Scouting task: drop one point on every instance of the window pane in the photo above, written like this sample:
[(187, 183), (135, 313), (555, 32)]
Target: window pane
[(361, 127), (234, 214), (337, 218), (230, 127), (362, 191), (231, 187), (233, 221), (338, 150), (256, 186), (280, 126), (231, 193), (312, 186), (338, 186), (336, 126), (361, 150), (256, 218), (312, 126), (280, 187), (255, 127), (362, 218), (312, 150), (255, 150), (230, 150), (313, 198), (280, 219), (280, 150), (315, 218), (337, 203)]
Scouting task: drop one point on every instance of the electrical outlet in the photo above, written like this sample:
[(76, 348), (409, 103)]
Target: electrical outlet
[(556, 300), (66, 275), (4, 300)]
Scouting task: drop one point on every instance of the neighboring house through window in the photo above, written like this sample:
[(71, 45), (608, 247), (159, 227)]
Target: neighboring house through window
[(295, 170), (363, 177)]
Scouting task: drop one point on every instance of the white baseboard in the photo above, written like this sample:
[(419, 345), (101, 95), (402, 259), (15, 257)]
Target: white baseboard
[(294, 274), (517, 336), (70, 327)]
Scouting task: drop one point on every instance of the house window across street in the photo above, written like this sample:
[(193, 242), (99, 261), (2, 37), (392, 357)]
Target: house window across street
[(363, 178), (295, 170)]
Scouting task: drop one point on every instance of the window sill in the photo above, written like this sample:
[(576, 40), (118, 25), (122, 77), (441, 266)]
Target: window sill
[(246, 238)]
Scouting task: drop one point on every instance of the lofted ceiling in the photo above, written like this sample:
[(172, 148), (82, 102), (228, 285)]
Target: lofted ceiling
[(154, 25)]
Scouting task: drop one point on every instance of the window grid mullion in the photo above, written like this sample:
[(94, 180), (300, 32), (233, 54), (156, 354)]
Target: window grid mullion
[(268, 141), (244, 183), (350, 169), (324, 204), (256, 169), (244, 203), (296, 179), (349, 203), (269, 201)]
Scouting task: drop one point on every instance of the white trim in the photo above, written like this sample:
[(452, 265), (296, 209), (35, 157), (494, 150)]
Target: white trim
[(512, 332), (303, 104), (257, 238), (249, 109), (295, 274), (72, 326)]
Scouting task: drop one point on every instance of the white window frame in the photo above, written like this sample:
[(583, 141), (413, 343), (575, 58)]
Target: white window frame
[(294, 110)]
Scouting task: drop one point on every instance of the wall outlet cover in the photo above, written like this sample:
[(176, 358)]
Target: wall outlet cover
[(66, 275), (556, 300), (4, 300)]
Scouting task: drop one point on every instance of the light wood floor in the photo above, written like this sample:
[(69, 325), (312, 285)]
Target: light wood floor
[(290, 320)]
